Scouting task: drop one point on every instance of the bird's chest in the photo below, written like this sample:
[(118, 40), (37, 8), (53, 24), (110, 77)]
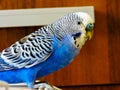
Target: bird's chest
[(65, 54), (59, 59), (62, 55)]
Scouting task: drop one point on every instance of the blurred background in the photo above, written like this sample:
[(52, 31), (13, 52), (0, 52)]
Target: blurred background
[(97, 66)]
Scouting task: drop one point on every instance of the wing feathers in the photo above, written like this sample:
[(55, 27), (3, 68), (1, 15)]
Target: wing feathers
[(29, 51)]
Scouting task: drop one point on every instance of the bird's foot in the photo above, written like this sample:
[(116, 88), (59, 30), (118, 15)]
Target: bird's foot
[(45, 86)]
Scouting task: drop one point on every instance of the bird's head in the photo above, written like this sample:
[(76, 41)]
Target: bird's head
[(81, 27), (87, 23)]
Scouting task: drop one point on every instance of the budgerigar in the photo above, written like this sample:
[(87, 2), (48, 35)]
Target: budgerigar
[(46, 50)]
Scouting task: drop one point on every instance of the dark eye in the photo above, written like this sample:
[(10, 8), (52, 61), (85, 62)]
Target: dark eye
[(79, 22)]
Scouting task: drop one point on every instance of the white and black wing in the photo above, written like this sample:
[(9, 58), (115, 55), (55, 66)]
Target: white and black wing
[(29, 51)]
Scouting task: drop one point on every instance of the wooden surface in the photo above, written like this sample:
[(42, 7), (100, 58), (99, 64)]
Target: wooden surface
[(92, 87), (98, 62), (113, 12)]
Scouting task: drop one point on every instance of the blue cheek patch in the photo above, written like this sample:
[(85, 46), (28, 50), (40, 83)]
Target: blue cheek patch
[(77, 34)]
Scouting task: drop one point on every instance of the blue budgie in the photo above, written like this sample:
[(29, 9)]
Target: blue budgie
[(46, 50)]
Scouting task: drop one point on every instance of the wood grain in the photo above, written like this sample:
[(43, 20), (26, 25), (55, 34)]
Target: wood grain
[(113, 12), (98, 62), (92, 87)]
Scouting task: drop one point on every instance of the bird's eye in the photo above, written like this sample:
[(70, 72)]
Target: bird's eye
[(78, 22)]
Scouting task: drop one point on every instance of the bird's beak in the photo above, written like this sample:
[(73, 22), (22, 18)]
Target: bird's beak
[(89, 34)]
